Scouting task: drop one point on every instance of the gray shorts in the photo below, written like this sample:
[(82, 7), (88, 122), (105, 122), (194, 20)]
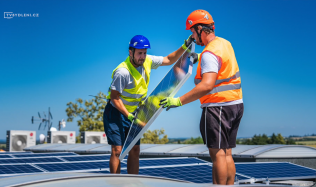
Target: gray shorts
[(219, 125)]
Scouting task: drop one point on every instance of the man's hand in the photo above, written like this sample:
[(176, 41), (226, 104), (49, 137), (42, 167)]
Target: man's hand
[(187, 42), (195, 56), (170, 102), (130, 117)]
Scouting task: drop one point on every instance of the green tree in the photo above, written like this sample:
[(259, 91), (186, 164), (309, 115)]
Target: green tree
[(280, 139), (273, 139), (197, 140), (153, 137), (290, 141), (89, 113)]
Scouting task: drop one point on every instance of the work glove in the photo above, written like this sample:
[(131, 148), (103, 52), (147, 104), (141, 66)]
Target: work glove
[(187, 42), (195, 56), (130, 117), (170, 102)]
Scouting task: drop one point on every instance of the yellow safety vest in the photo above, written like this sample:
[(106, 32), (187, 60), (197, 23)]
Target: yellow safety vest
[(131, 97)]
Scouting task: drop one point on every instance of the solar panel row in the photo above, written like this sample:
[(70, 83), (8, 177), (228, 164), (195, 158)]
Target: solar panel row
[(6, 156), (273, 170), (54, 158), (74, 166), (18, 169), (189, 169), (43, 155), (193, 173)]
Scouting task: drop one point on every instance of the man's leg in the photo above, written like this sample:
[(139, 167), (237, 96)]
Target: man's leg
[(133, 160), (231, 169), (115, 164), (219, 171)]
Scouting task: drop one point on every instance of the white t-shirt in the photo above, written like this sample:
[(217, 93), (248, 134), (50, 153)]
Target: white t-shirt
[(210, 63), (122, 79)]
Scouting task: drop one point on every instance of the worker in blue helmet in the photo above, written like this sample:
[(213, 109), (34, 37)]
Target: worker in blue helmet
[(128, 89)]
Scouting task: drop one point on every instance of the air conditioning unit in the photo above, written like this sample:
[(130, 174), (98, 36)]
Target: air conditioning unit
[(91, 137), (61, 137), (18, 140)]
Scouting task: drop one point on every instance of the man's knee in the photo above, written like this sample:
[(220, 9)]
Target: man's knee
[(217, 153), (135, 150), (116, 150)]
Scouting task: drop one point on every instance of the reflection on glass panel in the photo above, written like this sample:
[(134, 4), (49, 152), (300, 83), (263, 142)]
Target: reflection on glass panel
[(168, 87)]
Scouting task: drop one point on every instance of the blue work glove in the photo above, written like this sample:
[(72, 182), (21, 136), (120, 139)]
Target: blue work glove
[(187, 42), (170, 102)]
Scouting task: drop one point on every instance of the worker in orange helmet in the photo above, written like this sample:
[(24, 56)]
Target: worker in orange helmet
[(218, 87)]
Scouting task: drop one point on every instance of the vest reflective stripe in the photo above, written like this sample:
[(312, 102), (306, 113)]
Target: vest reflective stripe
[(136, 96), (228, 84), (132, 96), (225, 88), (129, 103), (237, 75)]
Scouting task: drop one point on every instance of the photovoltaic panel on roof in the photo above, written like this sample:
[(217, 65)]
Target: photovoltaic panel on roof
[(29, 160), (86, 158), (44, 155), (170, 161), (193, 173), (18, 169), (196, 174), (6, 156), (71, 166), (274, 170), (168, 87)]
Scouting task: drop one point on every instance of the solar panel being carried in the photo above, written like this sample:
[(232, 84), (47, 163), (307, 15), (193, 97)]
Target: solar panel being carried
[(168, 87)]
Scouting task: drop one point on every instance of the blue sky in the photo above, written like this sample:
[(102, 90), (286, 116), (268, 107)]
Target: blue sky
[(71, 49)]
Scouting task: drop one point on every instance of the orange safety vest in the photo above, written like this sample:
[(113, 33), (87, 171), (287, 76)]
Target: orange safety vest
[(228, 85)]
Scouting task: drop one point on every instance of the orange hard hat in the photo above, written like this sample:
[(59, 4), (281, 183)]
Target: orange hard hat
[(198, 16)]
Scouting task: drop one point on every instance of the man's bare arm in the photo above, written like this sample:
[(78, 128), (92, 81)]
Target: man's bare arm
[(115, 98), (172, 57), (204, 87)]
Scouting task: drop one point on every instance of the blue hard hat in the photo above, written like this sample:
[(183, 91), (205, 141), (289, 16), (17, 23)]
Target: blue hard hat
[(139, 42)]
